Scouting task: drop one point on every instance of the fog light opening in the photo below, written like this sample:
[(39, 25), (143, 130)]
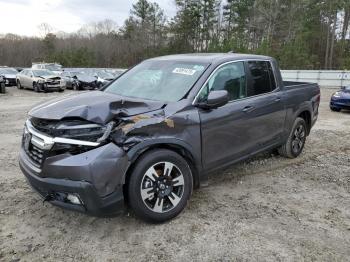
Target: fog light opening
[(74, 199)]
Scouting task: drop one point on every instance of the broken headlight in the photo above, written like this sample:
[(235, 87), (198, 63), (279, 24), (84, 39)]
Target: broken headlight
[(82, 130)]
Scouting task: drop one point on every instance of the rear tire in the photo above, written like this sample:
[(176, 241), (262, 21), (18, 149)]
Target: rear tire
[(160, 186), (335, 109), (296, 140)]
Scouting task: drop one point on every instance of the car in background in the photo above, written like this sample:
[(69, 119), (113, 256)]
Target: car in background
[(340, 99), (78, 80), (102, 76), (40, 80), (2, 85), (9, 75), (53, 67), (115, 71)]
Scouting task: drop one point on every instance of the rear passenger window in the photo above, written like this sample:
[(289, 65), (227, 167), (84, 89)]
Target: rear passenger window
[(262, 76), (230, 77)]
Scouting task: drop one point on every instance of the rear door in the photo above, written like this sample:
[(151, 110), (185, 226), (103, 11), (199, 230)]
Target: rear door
[(267, 102), (28, 82), (23, 77)]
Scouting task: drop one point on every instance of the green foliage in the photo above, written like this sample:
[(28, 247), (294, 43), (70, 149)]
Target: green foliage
[(73, 58), (301, 34)]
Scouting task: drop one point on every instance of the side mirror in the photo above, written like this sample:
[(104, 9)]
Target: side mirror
[(215, 99)]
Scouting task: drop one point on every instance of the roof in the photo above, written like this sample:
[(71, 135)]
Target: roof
[(210, 58)]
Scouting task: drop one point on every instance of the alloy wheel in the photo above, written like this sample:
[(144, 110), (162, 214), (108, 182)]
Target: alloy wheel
[(162, 187), (298, 139)]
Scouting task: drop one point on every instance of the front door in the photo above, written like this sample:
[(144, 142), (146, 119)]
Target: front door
[(244, 125)]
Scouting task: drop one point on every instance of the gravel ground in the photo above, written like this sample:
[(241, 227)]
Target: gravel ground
[(267, 209)]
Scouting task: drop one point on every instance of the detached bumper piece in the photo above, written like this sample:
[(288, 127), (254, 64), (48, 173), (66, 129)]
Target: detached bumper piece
[(79, 196)]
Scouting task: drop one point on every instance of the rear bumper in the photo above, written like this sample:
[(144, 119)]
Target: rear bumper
[(97, 181)]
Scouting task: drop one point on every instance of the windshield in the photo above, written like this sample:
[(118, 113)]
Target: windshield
[(10, 71), (158, 80), (42, 73)]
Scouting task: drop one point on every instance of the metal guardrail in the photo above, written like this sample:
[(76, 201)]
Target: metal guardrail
[(325, 78)]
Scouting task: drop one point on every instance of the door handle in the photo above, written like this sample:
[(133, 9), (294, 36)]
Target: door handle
[(248, 109), (277, 99)]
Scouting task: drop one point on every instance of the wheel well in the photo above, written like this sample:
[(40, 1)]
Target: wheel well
[(176, 148), (307, 117)]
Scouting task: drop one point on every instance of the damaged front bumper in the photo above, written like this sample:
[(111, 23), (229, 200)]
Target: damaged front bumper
[(90, 182)]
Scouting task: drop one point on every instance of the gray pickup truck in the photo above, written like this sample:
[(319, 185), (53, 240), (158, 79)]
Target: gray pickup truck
[(157, 131)]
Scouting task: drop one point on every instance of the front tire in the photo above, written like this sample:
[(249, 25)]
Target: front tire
[(160, 186), (296, 140), (36, 87), (75, 87), (19, 86)]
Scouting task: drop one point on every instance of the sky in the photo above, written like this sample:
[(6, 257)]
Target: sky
[(22, 17)]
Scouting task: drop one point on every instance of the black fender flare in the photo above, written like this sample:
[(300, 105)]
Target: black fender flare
[(170, 143)]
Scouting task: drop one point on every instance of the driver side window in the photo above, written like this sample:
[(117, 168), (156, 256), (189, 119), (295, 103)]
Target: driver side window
[(230, 77)]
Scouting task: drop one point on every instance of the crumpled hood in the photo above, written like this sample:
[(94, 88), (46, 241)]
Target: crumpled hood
[(97, 106), (49, 77)]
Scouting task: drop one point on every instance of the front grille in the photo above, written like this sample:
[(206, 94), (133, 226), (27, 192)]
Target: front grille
[(53, 83), (35, 154)]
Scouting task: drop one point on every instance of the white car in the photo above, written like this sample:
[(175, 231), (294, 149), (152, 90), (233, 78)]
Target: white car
[(40, 80)]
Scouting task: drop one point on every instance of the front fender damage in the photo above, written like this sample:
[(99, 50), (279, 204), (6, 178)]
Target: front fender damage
[(164, 123)]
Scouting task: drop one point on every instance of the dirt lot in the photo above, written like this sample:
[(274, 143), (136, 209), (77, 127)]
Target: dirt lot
[(268, 208)]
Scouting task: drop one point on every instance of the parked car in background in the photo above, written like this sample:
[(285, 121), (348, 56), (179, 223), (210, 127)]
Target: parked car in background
[(102, 76), (78, 80), (40, 80), (2, 85), (155, 133), (340, 99), (53, 67), (9, 75)]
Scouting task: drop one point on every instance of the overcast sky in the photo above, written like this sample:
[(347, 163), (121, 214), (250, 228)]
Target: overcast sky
[(22, 17)]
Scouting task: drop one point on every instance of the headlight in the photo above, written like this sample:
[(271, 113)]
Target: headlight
[(337, 94), (82, 130)]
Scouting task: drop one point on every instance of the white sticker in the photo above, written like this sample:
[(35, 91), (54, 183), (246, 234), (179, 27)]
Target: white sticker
[(184, 71)]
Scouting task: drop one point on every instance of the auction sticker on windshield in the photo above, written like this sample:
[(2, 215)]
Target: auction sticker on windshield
[(184, 71)]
